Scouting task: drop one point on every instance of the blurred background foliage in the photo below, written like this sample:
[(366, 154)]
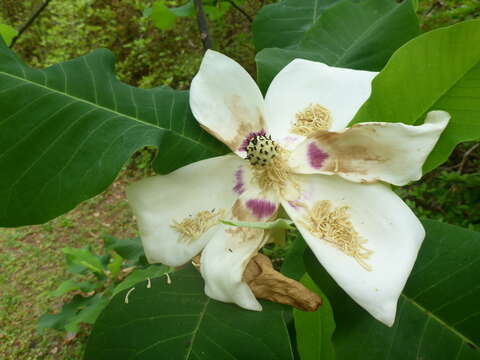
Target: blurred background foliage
[(146, 56), (31, 260)]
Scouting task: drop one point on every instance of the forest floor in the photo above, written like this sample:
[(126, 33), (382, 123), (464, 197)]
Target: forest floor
[(31, 261)]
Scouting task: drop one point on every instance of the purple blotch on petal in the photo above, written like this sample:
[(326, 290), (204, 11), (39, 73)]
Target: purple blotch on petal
[(316, 156), (261, 208), (249, 137), (239, 187)]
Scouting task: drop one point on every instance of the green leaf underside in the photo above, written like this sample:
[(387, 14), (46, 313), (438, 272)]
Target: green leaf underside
[(269, 225), (314, 329), (437, 313), (439, 70), (66, 131), (177, 321), (347, 34)]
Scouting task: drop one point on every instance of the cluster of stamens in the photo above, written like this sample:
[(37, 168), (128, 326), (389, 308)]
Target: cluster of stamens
[(333, 225), (192, 227), (261, 150)]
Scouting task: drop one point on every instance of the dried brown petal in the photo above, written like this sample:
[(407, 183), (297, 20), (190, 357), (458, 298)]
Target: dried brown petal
[(267, 283)]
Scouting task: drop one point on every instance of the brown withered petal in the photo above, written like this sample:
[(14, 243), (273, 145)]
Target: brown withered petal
[(267, 283)]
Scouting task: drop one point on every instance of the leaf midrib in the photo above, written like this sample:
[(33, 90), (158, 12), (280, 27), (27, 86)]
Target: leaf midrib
[(440, 321), (449, 88), (157, 127), (197, 328)]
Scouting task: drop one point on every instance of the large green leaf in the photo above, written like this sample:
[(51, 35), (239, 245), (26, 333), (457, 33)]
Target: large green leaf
[(293, 265), (139, 275), (315, 329), (351, 34), (285, 23), (438, 312), (177, 321), (66, 131), (439, 70)]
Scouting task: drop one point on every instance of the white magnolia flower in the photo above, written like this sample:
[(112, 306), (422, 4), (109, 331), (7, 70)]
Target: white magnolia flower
[(292, 150)]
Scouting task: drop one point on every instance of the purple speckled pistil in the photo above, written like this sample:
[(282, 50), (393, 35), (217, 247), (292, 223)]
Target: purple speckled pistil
[(239, 187), (249, 137), (261, 208), (316, 156)]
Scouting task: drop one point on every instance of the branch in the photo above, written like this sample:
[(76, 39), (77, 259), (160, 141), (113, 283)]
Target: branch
[(249, 18), (202, 25), (30, 22), (466, 155)]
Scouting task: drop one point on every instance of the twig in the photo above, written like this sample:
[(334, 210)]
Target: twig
[(30, 22), (249, 18), (435, 3), (202, 25), (466, 155)]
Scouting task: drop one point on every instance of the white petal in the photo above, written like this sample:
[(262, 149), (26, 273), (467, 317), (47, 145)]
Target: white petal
[(392, 231), (391, 152), (227, 254), (303, 83), (223, 263), (160, 200), (226, 101)]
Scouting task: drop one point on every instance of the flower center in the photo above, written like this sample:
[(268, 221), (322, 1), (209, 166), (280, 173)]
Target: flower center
[(268, 162), (261, 150)]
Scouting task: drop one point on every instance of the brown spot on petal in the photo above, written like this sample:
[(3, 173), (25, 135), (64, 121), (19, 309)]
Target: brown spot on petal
[(351, 150), (244, 234), (240, 212), (247, 120)]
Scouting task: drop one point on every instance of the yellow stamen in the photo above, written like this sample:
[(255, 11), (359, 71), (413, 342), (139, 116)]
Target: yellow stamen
[(128, 294), (315, 117), (192, 227), (333, 225), (275, 175)]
